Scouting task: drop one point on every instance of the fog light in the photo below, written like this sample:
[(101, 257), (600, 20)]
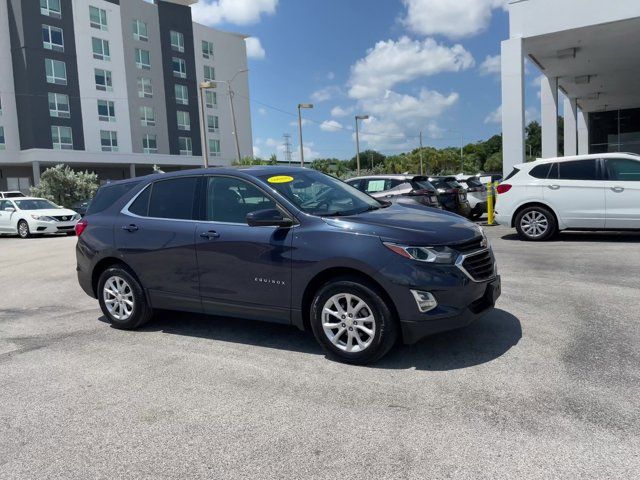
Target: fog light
[(425, 300)]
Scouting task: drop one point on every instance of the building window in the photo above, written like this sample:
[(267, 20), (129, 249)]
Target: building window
[(184, 122), (56, 71), (150, 143), (212, 124), (106, 111), (62, 138), (177, 41), (51, 8), (179, 68), (207, 49), (52, 38), (143, 59), (100, 49), (2, 140), (145, 89), (210, 99), (109, 140), (98, 18), (103, 80), (214, 147), (140, 31), (59, 105), (209, 73), (147, 117), (184, 145), (182, 95)]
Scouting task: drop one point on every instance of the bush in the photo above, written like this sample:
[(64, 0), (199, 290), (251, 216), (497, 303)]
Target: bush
[(64, 186)]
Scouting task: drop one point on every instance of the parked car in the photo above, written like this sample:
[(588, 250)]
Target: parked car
[(452, 195), (286, 245), (393, 187), (585, 192), (27, 216), (81, 207), (476, 194), (12, 194)]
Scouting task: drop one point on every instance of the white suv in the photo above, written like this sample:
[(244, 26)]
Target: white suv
[(585, 192)]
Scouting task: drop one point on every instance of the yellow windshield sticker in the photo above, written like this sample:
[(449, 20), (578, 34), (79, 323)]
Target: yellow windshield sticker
[(280, 179)]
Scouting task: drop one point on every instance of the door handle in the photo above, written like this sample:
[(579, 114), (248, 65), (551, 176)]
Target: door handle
[(209, 235), (554, 187), (617, 189), (130, 228)]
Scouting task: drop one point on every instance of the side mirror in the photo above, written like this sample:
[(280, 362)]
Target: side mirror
[(268, 218), (10, 209)]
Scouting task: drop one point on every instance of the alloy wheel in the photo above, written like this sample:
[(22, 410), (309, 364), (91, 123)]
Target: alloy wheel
[(23, 229), (118, 298), (534, 224), (348, 322)]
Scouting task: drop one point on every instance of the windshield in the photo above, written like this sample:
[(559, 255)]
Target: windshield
[(34, 204), (319, 194)]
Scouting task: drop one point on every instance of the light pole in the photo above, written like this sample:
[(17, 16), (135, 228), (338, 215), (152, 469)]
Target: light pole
[(300, 107), (210, 84), (359, 117)]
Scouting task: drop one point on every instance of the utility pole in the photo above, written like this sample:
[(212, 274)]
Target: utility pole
[(421, 162), (359, 117), (287, 148)]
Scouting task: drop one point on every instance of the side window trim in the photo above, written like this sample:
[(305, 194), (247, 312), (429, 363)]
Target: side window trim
[(203, 206)]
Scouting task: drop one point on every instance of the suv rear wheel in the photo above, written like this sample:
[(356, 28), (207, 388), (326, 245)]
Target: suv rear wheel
[(536, 224), (352, 321), (122, 299)]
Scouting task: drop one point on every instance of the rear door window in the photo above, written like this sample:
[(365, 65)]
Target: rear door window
[(623, 169), (174, 198), (108, 194), (579, 170)]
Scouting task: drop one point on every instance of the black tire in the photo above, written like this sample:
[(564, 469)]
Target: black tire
[(23, 229), (545, 219), (141, 312), (386, 326), (475, 215)]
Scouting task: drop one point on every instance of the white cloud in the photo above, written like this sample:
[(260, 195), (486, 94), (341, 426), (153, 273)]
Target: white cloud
[(330, 126), (392, 62), (238, 12), (427, 104), (491, 65), (531, 114), (271, 142), (256, 151), (326, 93), (495, 116), (338, 111), (294, 123), (254, 48), (453, 19), (331, 76), (262, 111)]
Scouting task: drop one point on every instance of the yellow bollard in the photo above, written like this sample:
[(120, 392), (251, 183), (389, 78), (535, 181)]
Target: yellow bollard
[(490, 192)]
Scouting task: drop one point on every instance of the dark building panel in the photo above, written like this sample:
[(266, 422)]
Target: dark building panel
[(28, 57), (178, 18)]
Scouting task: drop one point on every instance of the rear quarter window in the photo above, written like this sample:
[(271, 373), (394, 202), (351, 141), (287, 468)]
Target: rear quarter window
[(540, 171), (107, 195)]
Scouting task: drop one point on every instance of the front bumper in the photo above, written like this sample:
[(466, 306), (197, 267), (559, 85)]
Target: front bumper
[(37, 226)]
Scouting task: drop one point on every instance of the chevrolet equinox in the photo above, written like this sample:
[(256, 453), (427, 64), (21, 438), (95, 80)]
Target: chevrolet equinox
[(285, 245)]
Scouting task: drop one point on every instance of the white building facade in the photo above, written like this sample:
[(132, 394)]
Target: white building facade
[(588, 54), (112, 86)]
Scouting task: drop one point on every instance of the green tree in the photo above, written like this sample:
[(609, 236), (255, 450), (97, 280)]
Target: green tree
[(494, 163), (533, 145), (64, 186), (368, 159)]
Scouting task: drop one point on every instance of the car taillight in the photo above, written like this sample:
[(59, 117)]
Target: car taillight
[(503, 188), (80, 226)]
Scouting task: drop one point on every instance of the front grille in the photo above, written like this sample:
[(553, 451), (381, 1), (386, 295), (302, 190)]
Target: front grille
[(63, 218), (65, 229), (470, 246), (479, 266)]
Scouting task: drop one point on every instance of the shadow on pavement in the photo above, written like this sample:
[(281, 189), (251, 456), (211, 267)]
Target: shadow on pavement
[(609, 236), (486, 339)]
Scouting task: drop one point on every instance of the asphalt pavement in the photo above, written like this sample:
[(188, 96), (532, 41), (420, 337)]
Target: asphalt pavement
[(546, 386)]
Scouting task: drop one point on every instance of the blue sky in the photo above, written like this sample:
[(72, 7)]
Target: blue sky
[(430, 65)]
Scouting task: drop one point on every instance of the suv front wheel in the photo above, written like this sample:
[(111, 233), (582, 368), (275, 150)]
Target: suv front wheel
[(350, 319), (536, 224), (122, 298)]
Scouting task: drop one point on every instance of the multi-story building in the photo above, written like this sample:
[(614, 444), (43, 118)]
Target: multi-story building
[(112, 86), (587, 54)]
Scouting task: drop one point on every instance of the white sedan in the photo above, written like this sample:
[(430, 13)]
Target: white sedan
[(28, 216)]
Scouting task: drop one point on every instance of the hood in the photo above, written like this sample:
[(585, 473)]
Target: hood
[(410, 224), (52, 212)]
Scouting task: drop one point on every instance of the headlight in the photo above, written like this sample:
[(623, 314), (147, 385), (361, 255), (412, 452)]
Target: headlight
[(424, 254), (42, 218), (76, 217)]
